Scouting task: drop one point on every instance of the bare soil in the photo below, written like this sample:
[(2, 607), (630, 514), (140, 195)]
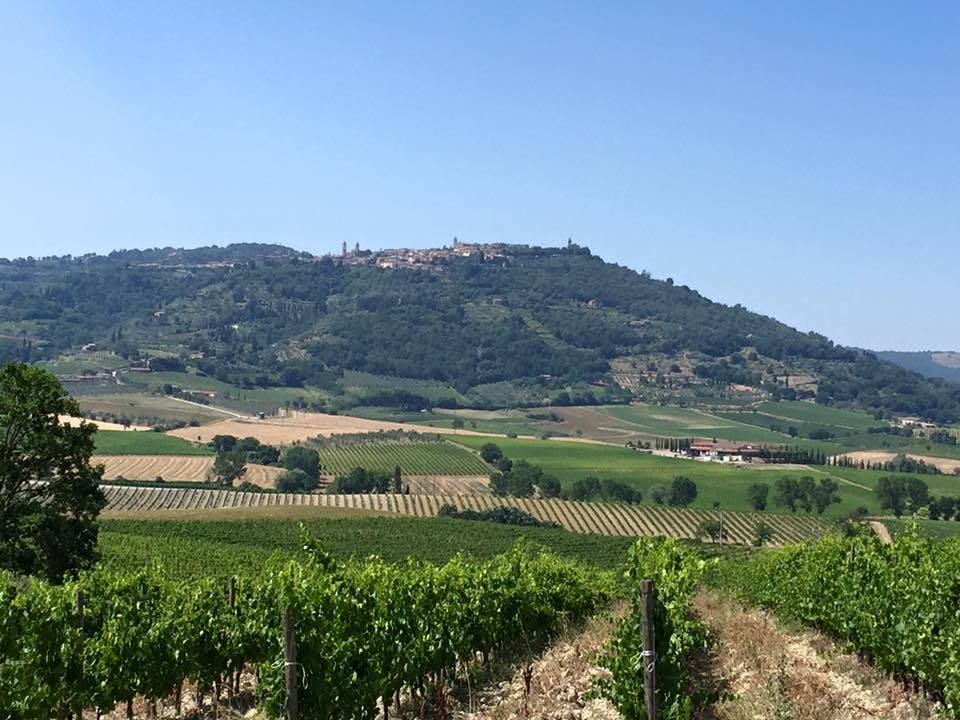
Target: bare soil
[(768, 671), (554, 686)]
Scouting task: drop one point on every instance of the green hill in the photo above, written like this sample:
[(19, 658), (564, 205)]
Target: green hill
[(478, 326)]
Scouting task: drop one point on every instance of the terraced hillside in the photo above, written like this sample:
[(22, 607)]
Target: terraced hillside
[(414, 458), (581, 517)]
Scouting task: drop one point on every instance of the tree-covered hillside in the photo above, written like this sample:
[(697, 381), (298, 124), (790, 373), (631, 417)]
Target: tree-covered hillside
[(945, 365), (266, 315)]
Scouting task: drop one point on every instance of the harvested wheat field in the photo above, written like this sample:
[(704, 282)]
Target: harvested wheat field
[(946, 465), (448, 484), (176, 468), (75, 421), (298, 427)]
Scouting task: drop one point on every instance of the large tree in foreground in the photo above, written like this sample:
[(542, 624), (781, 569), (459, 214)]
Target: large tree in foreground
[(49, 493)]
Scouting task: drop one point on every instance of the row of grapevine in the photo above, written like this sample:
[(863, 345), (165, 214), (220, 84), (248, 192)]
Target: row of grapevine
[(413, 458), (676, 572), (600, 518), (366, 630), (899, 604)]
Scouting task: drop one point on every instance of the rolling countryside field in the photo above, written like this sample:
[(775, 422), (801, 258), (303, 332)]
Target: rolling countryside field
[(726, 484), (115, 442), (145, 409), (413, 458), (578, 517), (177, 468)]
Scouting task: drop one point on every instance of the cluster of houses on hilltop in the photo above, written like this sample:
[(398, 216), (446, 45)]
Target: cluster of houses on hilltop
[(414, 258)]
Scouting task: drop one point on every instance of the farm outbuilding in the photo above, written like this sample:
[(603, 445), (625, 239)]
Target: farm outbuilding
[(722, 451)]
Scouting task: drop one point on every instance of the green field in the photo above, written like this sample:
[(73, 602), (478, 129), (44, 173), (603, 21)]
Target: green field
[(232, 397), (684, 422), (414, 458), (937, 529), (242, 547), (820, 415), (146, 409), (570, 461), (362, 383), (144, 442), (938, 484), (498, 426)]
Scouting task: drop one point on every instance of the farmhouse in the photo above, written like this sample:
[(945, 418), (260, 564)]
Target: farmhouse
[(722, 451), (915, 422)]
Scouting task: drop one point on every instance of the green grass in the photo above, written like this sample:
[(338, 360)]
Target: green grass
[(938, 484), (499, 427), (232, 397), (820, 414), (363, 383), (436, 458), (144, 442), (937, 529), (146, 409), (684, 422), (221, 548), (570, 461)]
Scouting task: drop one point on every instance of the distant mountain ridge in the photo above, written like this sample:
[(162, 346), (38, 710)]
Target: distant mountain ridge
[(500, 325), (933, 364)]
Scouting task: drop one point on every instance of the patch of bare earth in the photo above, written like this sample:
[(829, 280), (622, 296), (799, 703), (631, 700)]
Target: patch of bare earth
[(552, 686), (767, 672)]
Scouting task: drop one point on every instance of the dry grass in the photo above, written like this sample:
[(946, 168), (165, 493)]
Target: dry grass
[(448, 484), (102, 425), (176, 468), (553, 685), (299, 427), (773, 673)]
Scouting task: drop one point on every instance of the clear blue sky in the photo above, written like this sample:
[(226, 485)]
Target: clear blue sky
[(800, 158)]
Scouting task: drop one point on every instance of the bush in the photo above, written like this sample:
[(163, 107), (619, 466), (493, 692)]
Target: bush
[(361, 481), (683, 491), (302, 458), (296, 480), (659, 494), (501, 514)]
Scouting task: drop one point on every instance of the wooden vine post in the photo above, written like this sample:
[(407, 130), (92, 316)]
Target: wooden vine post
[(649, 654), (290, 665), (81, 603), (232, 599)]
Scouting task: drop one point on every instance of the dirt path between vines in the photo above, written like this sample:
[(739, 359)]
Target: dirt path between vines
[(768, 671), (882, 532), (560, 680)]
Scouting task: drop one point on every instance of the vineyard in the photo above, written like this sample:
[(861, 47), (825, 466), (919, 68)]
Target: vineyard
[(580, 517), (414, 458), (897, 604), (675, 572), (367, 633), (222, 548)]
